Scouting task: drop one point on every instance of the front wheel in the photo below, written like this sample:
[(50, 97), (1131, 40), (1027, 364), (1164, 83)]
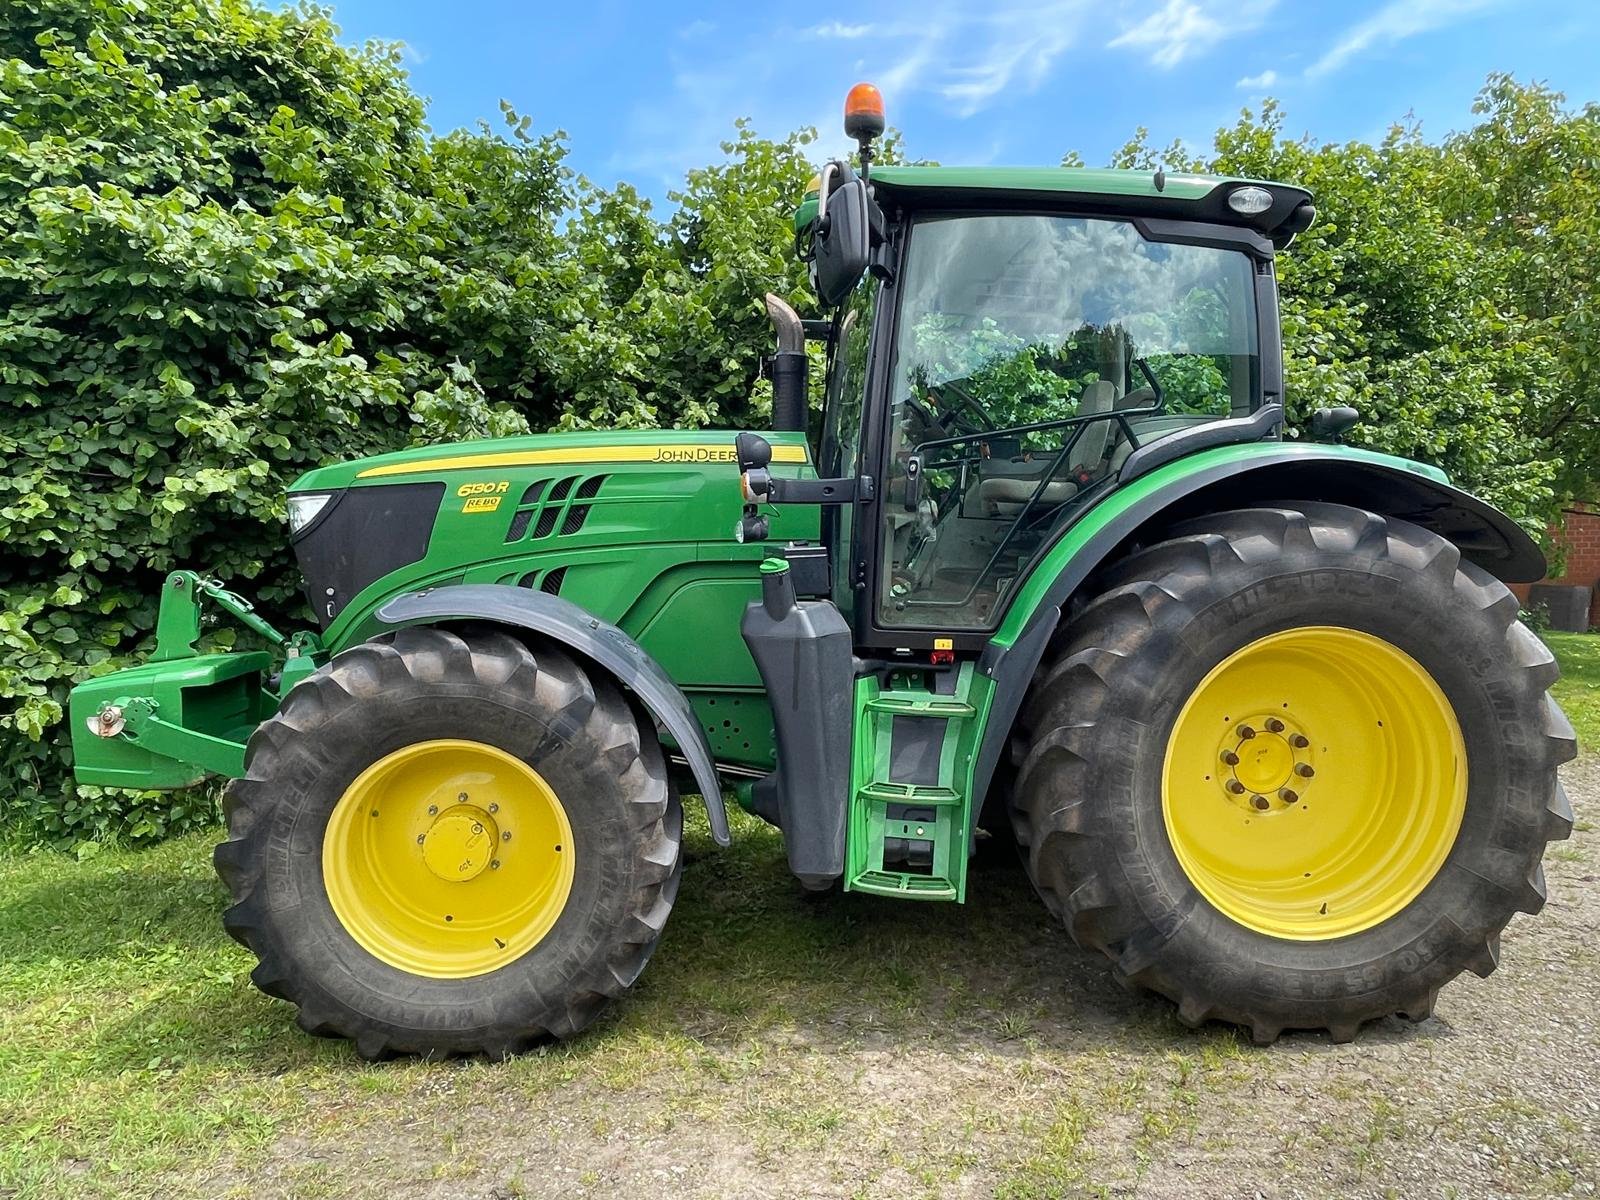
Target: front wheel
[(447, 843), (1294, 768)]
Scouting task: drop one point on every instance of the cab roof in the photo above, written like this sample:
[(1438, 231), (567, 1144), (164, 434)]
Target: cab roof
[(1094, 191)]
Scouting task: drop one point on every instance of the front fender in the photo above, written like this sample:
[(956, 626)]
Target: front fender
[(1215, 480), (580, 631)]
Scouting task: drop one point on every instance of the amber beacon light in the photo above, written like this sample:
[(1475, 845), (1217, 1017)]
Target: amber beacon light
[(863, 112)]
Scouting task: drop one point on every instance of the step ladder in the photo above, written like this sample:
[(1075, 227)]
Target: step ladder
[(910, 827)]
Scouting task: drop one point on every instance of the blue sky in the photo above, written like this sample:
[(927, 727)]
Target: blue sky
[(648, 90)]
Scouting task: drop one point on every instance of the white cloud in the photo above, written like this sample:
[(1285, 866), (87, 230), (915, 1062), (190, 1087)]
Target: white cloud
[(1264, 80), (697, 29), (838, 29), (968, 55), (1011, 55), (1183, 29), (1396, 21)]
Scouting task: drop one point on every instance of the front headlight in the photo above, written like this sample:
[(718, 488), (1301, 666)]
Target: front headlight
[(303, 509)]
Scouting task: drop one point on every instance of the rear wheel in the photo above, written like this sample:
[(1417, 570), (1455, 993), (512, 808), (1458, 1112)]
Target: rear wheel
[(451, 844), (1294, 768)]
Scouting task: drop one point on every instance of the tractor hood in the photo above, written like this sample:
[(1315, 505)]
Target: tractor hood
[(548, 512), (614, 446)]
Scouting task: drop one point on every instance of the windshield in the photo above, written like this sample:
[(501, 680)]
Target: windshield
[(1034, 353)]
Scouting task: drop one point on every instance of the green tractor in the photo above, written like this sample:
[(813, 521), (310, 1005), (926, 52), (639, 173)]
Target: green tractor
[(1258, 713)]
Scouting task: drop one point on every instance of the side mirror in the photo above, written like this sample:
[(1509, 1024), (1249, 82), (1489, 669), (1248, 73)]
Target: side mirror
[(842, 244), (1330, 424)]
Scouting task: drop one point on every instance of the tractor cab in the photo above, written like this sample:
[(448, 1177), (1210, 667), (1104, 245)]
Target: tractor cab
[(1005, 362), (1001, 343)]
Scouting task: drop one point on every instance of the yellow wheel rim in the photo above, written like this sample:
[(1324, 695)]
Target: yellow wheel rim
[(1314, 783), (448, 858)]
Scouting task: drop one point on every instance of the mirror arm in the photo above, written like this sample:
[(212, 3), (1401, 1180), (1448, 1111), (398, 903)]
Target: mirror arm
[(819, 491)]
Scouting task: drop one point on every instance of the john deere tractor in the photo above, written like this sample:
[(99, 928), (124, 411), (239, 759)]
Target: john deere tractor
[(1257, 712)]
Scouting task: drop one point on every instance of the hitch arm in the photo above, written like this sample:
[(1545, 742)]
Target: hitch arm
[(178, 621)]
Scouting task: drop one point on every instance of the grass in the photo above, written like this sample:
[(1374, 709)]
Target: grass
[(925, 1041), (1578, 690), (134, 1051)]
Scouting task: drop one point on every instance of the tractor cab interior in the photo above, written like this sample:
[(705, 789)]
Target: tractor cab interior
[(1033, 354)]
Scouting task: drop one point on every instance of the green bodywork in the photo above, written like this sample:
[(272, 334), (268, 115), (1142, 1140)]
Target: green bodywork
[(657, 558), (655, 553)]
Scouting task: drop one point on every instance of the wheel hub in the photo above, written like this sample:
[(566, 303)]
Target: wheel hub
[(1265, 762), (461, 843)]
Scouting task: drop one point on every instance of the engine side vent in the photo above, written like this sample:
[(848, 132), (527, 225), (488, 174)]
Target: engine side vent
[(553, 580), (519, 525), (548, 505), (526, 507)]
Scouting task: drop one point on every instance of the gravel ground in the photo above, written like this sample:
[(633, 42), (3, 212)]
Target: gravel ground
[(1076, 1089)]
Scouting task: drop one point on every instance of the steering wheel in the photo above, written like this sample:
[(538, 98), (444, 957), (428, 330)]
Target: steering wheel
[(952, 416)]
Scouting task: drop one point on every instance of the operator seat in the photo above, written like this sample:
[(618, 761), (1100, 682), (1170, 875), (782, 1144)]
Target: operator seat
[(1003, 495)]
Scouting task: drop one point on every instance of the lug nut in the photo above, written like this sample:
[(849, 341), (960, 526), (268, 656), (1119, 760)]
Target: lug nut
[(1246, 733), (506, 836), (421, 838), (1274, 725), (433, 810), (494, 864), (1299, 741), (1235, 787), (1261, 802), (494, 808), (1288, 795), (462, 798), (1304, 770), (1229, 757)]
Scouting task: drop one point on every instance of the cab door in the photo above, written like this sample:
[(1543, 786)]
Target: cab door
[(841, 451)]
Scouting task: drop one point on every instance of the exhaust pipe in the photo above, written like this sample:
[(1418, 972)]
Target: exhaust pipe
[(789, 383)]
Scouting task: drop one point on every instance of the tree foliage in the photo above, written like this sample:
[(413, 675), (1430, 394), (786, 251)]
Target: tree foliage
[(1447, 290), (231, 250)]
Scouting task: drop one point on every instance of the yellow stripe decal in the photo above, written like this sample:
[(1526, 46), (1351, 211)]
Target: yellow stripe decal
[(696, 452)]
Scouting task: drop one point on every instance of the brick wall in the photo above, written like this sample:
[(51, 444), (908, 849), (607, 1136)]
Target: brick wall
[(1579, 534)]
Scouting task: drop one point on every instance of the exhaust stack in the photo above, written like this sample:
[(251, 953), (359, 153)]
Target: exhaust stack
[(788, 366)]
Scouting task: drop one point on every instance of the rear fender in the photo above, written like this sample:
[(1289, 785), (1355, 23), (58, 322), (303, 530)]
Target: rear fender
[(1217, 480), (585, 634)]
